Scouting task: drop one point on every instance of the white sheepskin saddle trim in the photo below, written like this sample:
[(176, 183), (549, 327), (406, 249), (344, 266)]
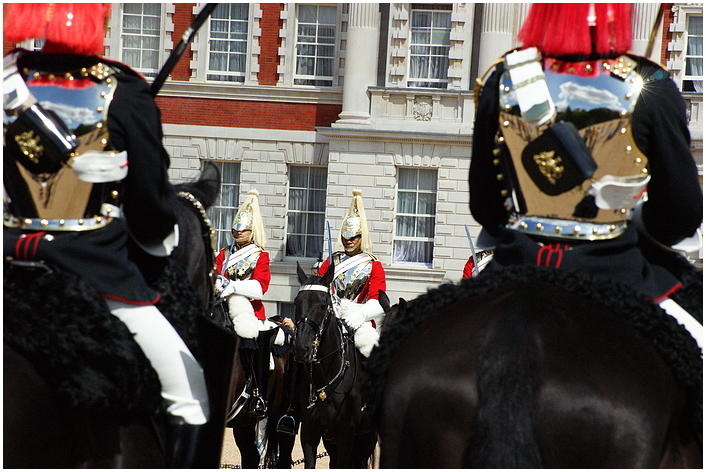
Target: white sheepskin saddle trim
[(245, 323), (366, 338)]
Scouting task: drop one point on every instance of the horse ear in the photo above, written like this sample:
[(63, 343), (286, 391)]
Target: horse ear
[(384, 300), (301, 274), (402, 304), (210, 183), (328, 276)]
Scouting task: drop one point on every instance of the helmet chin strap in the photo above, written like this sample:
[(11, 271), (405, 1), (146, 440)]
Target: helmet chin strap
[(243, 241), (352, 252)]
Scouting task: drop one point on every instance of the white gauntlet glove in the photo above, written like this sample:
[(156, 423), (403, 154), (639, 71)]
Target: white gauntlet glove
[(247, 288), (355, 314)]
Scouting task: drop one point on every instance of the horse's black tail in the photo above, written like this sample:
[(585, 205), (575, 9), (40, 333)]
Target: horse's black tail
[(503, 435)]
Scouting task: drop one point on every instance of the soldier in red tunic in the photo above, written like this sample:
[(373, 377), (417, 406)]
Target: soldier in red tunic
[(358, 278)]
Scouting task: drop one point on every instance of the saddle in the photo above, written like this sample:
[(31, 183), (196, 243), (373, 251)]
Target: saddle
[(87, 356)]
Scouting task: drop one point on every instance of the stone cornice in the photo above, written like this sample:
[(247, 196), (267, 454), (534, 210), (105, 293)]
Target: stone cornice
[(253, 93)]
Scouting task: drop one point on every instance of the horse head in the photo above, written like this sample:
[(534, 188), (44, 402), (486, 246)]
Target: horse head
[(195, 252), (313, 310)]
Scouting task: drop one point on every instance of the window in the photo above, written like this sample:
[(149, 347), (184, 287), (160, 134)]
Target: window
[(316, 45), (228, 42), (415, 220), (430, 45), (141, 32), (307, 207), (694, 59), (222, 213)]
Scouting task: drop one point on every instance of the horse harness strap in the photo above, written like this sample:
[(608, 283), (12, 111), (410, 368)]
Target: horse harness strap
[(320, 393)]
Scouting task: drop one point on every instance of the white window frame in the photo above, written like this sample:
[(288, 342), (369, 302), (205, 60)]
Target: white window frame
[(307, 211), (292, 33), (223, 211), (161, 37), (207, 32), (685, 77), (200, 48), (334, 44), (422, 239), (443, 82), (113, 38)]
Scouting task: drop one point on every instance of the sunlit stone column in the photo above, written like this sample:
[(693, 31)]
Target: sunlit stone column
[(361, 62)]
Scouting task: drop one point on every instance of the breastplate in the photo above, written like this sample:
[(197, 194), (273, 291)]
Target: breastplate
[(349, 284), (599, 98), (244, 267), (61, 200)]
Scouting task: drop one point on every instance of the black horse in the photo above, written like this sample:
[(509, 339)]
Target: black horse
[(331, 399), (105, 413), (533, 369), (258, 441)]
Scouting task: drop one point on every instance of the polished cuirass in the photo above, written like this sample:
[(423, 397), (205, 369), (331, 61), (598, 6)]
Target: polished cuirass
[(542, 196), (241, 263), (351, 274), (84, 191)]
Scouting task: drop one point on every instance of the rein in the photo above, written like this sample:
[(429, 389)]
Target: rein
[(320, 393)]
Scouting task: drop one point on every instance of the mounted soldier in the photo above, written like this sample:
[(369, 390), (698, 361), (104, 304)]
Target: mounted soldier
[(244, 277), (84, 171), (581, 156), (358, 278)]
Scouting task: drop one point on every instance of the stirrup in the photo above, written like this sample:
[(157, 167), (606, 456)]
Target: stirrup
[(258, 406), (287, 425)]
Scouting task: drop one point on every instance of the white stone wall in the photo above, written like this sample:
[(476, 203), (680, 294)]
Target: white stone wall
[(364, 159)]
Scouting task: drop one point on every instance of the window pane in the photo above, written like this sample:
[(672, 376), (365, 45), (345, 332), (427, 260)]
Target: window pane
[(406, 202), (307, 13), (222, 213), (141, 30), (695, 25), (228, 36), (306, 214), (315, 46), (416, 216)]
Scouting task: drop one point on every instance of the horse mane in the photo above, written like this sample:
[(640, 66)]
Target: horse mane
[(673, 342)]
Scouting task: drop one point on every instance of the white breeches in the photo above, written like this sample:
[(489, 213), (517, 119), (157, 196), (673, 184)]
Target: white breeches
[(685, 319), (182, 379)]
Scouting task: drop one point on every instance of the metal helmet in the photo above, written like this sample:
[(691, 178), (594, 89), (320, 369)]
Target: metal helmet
[(248, 217), (355, 223)]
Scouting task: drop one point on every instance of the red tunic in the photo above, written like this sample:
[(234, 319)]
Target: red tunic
[(261, 273), (468, 268)]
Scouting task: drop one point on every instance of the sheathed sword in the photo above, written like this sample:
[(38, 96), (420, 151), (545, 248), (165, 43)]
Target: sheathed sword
[(178, 51), (330, 244), (473, 253), (655, 28)]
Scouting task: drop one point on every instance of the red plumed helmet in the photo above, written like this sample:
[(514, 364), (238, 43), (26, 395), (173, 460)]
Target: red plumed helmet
[(73, 28), (558, 29)]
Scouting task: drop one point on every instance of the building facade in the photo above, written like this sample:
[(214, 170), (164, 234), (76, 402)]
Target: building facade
[(305, 102)]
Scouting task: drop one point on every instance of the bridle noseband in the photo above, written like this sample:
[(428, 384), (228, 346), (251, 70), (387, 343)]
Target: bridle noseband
[(318, 329)]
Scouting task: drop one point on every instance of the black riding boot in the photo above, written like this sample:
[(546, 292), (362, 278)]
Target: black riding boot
[(287, 424), (182, 442), (261, 368)]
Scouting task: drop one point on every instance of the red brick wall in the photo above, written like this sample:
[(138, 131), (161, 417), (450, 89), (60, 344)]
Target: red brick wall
[(182, 18), (667, 20), (270, 25), (247, 114)]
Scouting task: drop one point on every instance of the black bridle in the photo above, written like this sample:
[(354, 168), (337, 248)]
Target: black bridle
[(316, 394)]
